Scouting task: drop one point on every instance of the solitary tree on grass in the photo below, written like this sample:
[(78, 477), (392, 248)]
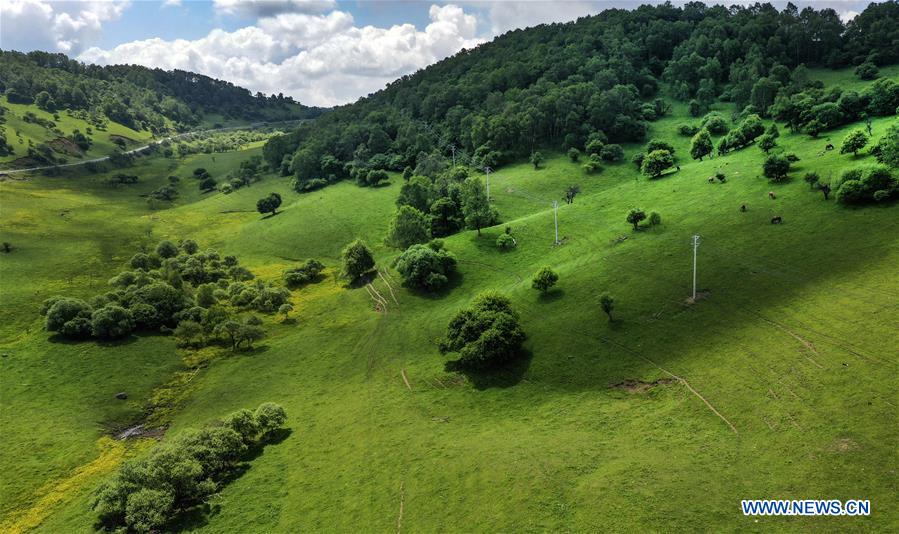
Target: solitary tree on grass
[(855, 141), (544, 279), (656, 162), (536, 159), (357, 260), (635, 216), (269, 204), (701, 145), (607, 303)]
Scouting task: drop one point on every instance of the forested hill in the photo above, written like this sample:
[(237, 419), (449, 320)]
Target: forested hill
[(135, 96), (599, 79)]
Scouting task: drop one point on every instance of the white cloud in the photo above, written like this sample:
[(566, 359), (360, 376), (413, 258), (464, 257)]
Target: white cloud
[(846, 16), (509, 15), (318, 59), (270, 8), (64, 26), (171, 3)]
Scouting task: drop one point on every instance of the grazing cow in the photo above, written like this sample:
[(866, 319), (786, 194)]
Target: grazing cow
[(743, 208), (711, 179), (771, 195), (678, 167), (777, 220), (828, 147)]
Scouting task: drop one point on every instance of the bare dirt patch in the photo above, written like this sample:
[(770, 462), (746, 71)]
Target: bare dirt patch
[(65, 146), (639, 386)]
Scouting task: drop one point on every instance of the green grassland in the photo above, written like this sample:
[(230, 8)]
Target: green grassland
[(19, 132), (787, 366)]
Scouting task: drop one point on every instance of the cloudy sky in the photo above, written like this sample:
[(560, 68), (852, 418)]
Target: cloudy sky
[(321, 52)]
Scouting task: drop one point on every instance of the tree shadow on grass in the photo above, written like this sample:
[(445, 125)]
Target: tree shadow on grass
[(500, 376), (454, 280), (552, 295), (270, 215)]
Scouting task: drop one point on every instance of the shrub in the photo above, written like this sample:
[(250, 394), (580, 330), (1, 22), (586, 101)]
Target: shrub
[(270, 417), (166, 249), (655, 219), (688, 130), (812, 179), (574, 154), (111, 322), (70, 317), (304, 274), (592, 165), (776, 168), (486, 334), (426, 266), (656, 162), (505, 242), (867, 71), (408, 227)]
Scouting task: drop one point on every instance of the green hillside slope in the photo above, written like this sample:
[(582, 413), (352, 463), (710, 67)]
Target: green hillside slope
[(777, 383)]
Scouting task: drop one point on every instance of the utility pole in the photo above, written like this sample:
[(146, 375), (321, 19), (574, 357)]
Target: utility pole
[(487, 172), (453, 148), (556, 219), (695, 248)]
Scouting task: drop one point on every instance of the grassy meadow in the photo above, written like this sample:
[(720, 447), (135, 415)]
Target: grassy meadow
[(779, 383)]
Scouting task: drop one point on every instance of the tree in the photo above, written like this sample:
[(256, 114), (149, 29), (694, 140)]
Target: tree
[(571, 192), (248, 333), (825, 190), (574, 154), (655, 219), (776, 168), (486, 334), (269, 204), (357, 260), (408, 227), (111, 322), (812, 179), (285, 310), (887, 149), (446, 217), (607, 303), (208, 184), (374, 177), (701, 145), (544, 279), (270, 417), (635, 216), (426, 267), (187, 332), (656, 162), (767, 142), (407, 173), (536, 159), (416, 192), (475, 206), (855, 141), (612, 153)]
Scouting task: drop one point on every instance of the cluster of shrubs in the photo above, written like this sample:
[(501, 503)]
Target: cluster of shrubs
[(655, 158), (742, 135), (247, 173), (147, 494), (862, 185), (597, 150), (427, 267), (306, 273), (205, 180), (173, 286)]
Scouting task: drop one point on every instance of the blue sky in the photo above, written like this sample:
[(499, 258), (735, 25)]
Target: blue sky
[(322, 52)]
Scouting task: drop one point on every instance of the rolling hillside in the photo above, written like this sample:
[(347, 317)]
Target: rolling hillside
[(778, 383)]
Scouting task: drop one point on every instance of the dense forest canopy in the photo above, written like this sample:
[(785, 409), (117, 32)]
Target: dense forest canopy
[(599, 79), (136, 96)]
